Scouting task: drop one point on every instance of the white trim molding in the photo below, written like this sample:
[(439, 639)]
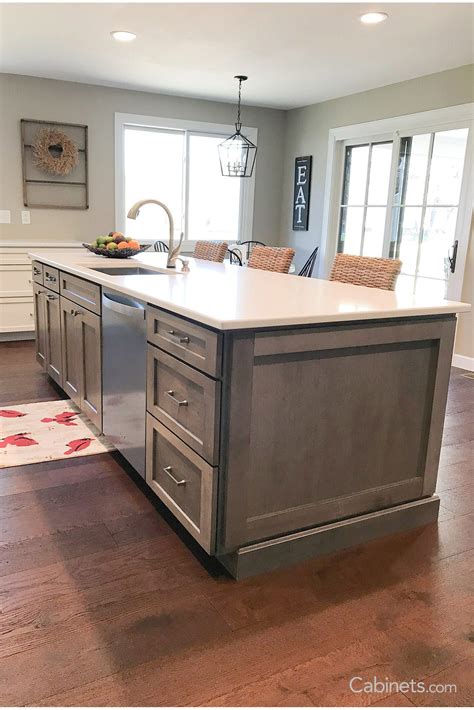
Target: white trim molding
[(463, 362), (394, 128), (190, 126)]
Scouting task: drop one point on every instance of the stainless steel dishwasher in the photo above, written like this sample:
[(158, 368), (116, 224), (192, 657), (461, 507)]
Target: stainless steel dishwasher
[(124, 375)]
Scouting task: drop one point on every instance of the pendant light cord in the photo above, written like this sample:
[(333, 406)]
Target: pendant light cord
[(238, 105), (241, 78)]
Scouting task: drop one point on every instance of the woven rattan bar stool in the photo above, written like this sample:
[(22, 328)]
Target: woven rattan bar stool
[(366, 271), (271, 258), (210, 251)]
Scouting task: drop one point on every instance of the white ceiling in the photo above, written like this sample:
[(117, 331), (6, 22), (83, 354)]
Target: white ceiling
[(294, 54)]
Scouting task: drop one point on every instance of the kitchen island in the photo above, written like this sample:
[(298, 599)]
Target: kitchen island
[(285, 417)]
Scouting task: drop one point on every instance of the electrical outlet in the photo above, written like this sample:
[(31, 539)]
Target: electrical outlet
[(5, 216), (25, 217)]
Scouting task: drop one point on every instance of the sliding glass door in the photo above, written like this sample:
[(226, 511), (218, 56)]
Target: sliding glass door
[(426, 203), (401, 199)]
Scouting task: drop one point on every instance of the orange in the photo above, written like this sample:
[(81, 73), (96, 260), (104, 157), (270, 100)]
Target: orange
[(133, 244), (123, 245)]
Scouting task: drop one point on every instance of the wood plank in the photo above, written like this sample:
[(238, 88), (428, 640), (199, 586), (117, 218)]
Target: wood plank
[(56, 547), (166, 557), (25, 515), (459, 675), (156, 626), (459, 500), (138, 526), (22, 479)]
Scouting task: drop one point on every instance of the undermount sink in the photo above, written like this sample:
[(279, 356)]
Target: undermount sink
[(127, 271)]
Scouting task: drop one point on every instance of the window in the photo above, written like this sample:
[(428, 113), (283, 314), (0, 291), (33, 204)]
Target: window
[(179, 165), (399, 191), (364, 198), (153, 167), (214, 200)]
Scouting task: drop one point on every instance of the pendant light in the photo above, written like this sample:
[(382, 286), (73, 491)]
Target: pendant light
[(237, 154)]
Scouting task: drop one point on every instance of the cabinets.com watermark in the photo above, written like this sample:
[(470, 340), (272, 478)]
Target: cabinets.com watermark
[(376, 685)]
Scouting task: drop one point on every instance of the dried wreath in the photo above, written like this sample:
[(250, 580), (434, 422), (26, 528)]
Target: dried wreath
[(55, 152)]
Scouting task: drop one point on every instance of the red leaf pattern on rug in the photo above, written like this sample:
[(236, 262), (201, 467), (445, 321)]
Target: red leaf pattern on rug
[(62, 418), (77, 445), (10, 413), (17, 440)]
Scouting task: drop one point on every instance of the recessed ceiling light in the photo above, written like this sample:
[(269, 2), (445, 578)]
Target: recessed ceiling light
[(123, 35), (373, 18)]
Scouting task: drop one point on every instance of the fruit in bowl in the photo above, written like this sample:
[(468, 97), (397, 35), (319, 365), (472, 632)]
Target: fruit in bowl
[(116, 244)]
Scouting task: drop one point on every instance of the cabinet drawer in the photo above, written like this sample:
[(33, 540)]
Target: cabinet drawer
[(192, 343), (15, 281), (51, 278), (186, 400), (37, 270), (185, 483), (16, 315), (80, 291)]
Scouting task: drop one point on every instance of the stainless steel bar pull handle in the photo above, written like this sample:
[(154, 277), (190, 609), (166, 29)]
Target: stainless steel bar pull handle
[(179, 402), (181, 338), (51, 297), (169, 472)]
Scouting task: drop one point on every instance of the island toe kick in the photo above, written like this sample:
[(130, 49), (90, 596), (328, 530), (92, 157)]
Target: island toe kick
[(300, 546)]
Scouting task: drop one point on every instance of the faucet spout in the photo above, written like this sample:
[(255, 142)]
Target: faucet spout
[(174, 251)]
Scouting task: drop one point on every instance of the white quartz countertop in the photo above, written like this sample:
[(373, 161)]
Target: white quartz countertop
[(229, 297)]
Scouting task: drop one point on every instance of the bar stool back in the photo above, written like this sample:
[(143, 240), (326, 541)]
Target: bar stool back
[(366, 271), (271, 258), (210, 251)]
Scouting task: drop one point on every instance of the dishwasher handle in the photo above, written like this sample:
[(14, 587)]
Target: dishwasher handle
[(124, 309)]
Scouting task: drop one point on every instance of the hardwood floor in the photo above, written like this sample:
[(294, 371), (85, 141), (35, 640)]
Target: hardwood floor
[(104, 600)]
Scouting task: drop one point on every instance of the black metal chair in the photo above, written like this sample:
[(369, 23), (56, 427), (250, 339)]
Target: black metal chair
[(235, 257), (307, 269), (250, 245), (160, 246)]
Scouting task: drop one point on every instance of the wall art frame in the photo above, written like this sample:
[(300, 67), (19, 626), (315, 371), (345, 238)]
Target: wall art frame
[(44, 190)]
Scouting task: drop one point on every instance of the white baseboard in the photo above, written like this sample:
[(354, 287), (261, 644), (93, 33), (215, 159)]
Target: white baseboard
[(465, 363)]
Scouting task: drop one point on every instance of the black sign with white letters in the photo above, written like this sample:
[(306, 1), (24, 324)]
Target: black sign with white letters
[(301, 193)]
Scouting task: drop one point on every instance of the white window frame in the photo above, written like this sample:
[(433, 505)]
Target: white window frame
[(247, 185), (394, 129)]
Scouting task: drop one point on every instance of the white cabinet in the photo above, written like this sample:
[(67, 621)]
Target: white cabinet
[(16, 289)]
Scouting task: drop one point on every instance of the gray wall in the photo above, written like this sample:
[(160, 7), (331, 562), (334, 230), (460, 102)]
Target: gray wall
[(29, 97), (308, 132)]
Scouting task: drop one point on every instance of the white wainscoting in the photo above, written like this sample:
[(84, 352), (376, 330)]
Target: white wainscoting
[(16, 290)]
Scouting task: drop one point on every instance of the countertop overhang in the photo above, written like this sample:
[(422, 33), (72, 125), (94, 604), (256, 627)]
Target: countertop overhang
[(230, 297)]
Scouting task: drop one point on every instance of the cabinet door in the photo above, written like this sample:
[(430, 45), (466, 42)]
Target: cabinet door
[(40, 324), (53, 336), (70, 350), (90, 346)]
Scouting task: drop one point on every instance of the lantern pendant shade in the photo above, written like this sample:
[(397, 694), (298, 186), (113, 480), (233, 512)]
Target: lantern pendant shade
[(237, 153)]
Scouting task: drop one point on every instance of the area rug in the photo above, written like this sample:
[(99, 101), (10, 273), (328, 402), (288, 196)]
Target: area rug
[(47, 431)]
